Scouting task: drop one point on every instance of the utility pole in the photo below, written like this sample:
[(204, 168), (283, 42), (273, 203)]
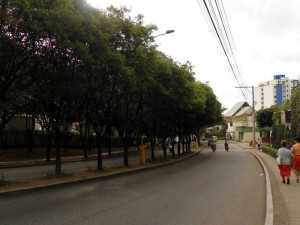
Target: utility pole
[(253, 114)]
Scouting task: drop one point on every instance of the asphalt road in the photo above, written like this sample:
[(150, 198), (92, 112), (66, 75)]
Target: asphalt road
[(211, 188)]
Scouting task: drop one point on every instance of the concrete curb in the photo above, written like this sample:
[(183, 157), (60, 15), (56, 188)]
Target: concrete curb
[(119, 173), (269, 220)]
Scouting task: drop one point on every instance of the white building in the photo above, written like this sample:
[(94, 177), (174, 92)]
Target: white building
[(274, 92), (240, 122)]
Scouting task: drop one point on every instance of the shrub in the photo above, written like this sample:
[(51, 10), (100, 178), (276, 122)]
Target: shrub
[(269, 150)]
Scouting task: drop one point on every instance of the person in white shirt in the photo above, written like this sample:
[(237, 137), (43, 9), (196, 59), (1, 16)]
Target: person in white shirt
[(258, 142)]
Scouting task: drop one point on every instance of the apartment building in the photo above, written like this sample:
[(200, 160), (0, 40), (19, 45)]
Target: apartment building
[(274, 92)]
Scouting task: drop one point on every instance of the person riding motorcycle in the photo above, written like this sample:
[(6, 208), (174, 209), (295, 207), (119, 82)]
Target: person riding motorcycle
[(226, 144), (213, 145)]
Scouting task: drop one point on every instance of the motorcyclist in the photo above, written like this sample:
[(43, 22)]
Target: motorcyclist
[(226, 144), (213, 145)]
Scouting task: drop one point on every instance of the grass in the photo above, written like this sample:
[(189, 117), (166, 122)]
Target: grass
[(52, 174), (92, 169)]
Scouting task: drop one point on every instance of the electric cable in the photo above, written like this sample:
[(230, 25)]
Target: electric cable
[(222, 45), (225, 40)]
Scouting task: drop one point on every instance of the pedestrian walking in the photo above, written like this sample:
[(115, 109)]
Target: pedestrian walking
[(296, 158), (258, 142), (285, 157)]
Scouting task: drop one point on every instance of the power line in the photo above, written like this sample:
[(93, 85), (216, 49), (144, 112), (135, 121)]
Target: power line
[(220, 25), (206, 19), (229, 37)]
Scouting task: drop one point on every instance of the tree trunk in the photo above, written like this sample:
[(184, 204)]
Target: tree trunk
[(173, 148), (109, 144), (183, 145), (31, 133), (49, 144), (58, 155), (30, 123), (83, 140), (178, 147), (89, 140), (153, 142), (189, 143), (164, 148), (99, 157), (126, 150)]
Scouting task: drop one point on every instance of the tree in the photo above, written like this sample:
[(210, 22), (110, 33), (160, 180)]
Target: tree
[(132, 39), (19, 57), (76, 64), (295, 112), (264, 117), (66, 51)]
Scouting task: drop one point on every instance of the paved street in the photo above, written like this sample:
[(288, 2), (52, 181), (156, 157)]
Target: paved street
[(210, 188)]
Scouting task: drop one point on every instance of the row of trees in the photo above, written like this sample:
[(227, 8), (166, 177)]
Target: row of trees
[(63, 61)]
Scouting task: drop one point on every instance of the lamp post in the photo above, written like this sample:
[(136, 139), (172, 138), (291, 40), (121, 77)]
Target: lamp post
[(167, 32), (142, 147)]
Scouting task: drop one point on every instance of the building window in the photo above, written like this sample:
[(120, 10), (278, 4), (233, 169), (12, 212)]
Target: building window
[(231, 124)]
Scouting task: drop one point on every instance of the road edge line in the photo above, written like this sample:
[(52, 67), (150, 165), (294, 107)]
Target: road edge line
[(269, 220)]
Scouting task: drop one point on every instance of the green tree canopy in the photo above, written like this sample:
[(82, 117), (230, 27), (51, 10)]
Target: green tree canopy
[(264, 117)]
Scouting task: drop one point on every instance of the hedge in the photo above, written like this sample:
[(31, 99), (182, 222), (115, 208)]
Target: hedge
[(269, 150)]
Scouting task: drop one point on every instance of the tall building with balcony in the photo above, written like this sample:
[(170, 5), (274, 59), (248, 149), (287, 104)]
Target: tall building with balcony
[(274, 92)]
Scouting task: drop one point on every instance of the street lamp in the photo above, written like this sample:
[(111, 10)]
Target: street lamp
[(167, 32)]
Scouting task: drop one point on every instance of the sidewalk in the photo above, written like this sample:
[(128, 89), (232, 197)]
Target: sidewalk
[(286, 198), (68, 159), (8, 187)]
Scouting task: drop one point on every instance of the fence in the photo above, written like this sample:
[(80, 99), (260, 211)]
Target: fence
[(15, 139)]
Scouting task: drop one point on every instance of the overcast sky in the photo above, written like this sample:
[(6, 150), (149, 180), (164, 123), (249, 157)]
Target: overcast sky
[(266, 35)]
